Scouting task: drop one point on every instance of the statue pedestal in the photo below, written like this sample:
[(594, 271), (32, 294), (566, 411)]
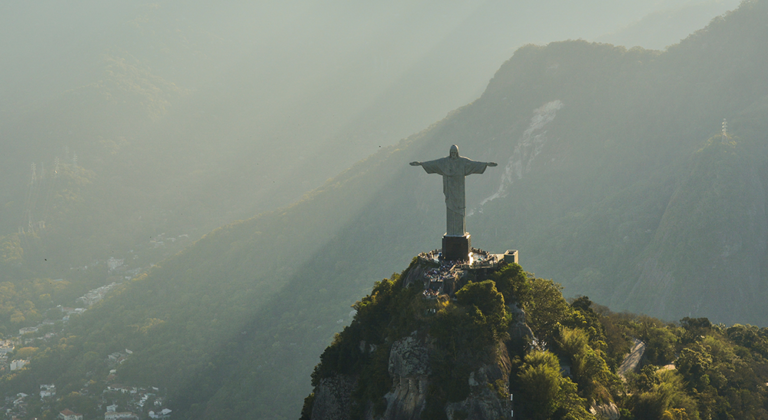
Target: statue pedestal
[(456, 247)]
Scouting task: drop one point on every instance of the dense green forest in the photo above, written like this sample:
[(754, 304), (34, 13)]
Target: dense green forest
[(613, 179)]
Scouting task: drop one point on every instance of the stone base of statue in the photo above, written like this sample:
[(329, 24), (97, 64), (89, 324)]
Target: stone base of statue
[(456, 248)]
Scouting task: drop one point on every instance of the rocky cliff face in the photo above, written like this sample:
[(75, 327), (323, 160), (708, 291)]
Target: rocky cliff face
[(605, 411), (409, 369), (485, 401), (333, 398), (519, 329)]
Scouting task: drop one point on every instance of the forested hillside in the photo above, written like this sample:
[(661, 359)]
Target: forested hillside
[(478, 355), (613, 178)]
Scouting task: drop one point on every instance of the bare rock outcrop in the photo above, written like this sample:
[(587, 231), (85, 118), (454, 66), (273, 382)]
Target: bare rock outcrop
[(409, 370), (488, 392), (333, 398), (605, 411), (416, 274), (519, 329), (485, 405)]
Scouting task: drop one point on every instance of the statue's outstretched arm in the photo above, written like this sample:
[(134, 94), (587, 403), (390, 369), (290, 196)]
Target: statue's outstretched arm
[(415, 163), (492, 164)]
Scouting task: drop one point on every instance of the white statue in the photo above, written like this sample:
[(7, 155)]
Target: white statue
[(453, 169)]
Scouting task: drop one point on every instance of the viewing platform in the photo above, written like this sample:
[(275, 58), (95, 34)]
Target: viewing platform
[(445, 277)]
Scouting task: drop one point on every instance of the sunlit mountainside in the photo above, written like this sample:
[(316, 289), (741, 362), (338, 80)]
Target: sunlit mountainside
[(614, 179), (229, 113), (131, 129)]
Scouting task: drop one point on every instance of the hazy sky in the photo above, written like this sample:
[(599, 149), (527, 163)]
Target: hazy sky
[(288, 92)]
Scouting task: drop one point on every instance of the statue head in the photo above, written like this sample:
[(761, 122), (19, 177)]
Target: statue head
[(454, 153)]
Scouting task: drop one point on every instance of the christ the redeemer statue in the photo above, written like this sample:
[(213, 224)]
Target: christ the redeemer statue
[(456, 242)]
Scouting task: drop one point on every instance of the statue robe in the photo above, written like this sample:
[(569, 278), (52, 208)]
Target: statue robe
[(453, 171)]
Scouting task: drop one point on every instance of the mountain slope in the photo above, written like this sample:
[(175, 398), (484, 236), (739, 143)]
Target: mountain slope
[(186, 117), (599, 166)]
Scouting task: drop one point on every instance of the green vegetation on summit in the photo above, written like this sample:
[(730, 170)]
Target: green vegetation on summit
[(689, 370)]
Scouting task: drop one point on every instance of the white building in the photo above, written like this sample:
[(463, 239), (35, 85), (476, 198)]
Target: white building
[(27, 330), (47, 390), (18, 364), (164, 414), (68, 414)]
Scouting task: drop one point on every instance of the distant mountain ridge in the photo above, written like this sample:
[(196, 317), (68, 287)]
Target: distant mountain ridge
[(184, 120)]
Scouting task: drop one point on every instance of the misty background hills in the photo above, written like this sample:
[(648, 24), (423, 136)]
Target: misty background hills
[(168, 120), (239, 110), (612, 180)]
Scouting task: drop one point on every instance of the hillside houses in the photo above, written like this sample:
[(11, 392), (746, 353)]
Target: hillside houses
[(28, 330), (6, 346), (68, 414), (70, 311), (117, 357), (114, 263), (122, 402), (47, 391), (96, 295), (18, 364), (139, 398), (162, 414), (125, 415), (120, 388), (17, 405)]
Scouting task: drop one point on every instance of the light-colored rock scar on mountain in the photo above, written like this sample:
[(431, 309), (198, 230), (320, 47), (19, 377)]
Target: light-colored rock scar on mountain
[(454, 169)]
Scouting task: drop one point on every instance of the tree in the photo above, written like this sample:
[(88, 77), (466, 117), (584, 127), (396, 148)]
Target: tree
[(546, 393), (513, 283), (484, 297), (588, 368), (548, 308)]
